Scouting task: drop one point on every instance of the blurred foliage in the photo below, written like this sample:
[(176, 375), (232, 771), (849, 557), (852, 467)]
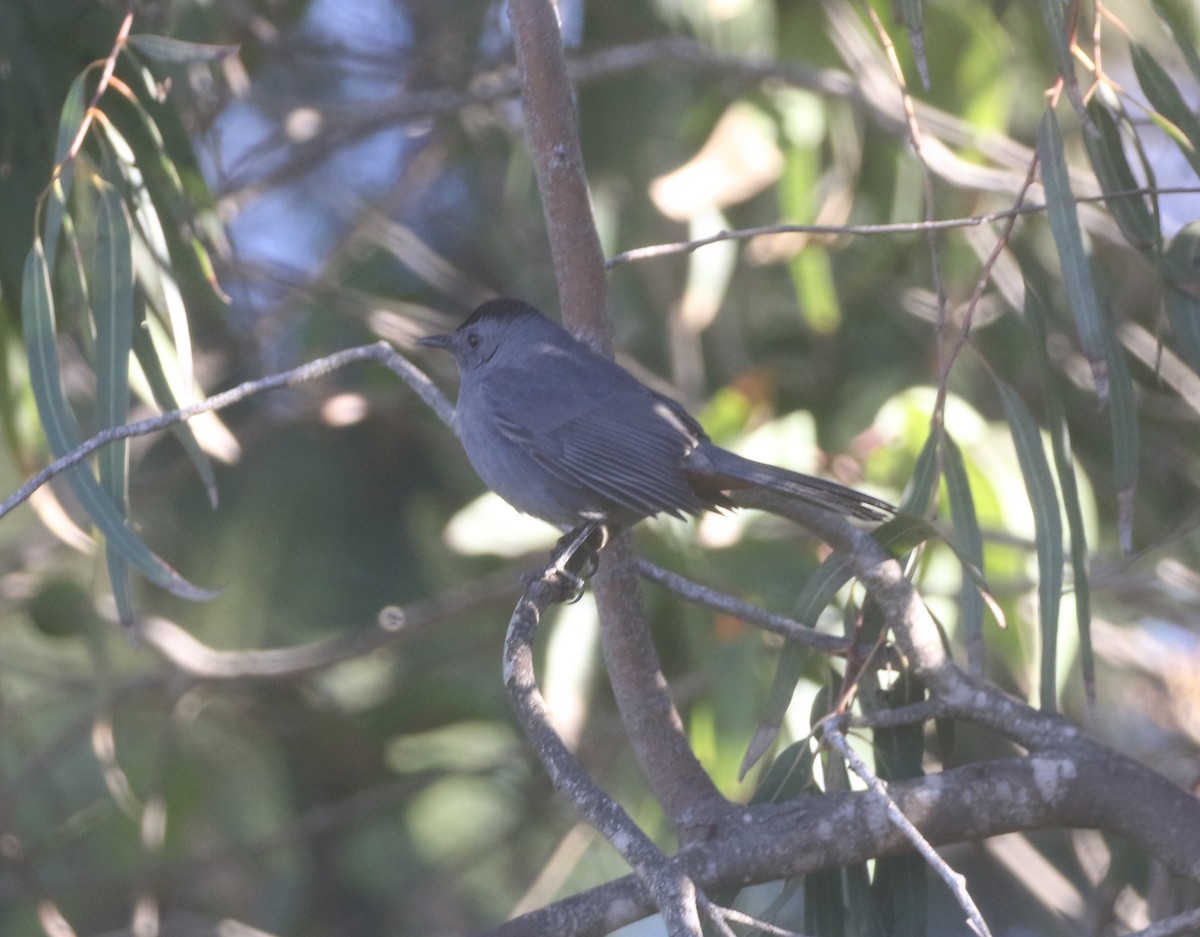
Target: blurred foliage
[(342, 176)]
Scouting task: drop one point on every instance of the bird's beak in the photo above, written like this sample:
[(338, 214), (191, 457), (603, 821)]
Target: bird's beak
[(445, 342)]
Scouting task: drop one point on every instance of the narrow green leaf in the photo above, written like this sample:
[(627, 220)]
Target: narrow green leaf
[(922, 487), (1107, 155), (58, 422), (1039, 484), (154, 274), (59, 192), (818, 592), (1183, 312), (970, 548), (111, 294), (1164, 96), (1182, 33), (790, 776), (1124, 421), (787, 674), (153, 268), (1064, 463), (862, 918), (150, 360), (900, 892), (824, 898), (910, 15), (1054, 16), (70, 118), (177, 52), (1094, 328)]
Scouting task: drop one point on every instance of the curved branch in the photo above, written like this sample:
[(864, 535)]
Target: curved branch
[(673, 892)]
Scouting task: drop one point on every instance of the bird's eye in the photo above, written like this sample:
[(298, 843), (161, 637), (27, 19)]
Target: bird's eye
[(473, 339)]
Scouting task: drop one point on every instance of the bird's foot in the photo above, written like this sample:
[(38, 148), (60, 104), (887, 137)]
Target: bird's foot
[(576, 557)]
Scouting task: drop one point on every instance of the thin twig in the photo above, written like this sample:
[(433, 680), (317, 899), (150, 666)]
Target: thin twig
[(653, 251), (964, 332), (907, 715), (740, 917), (715, 913), (203, 662), (380, 352), (956, 882), (751, 614), (110, 65)]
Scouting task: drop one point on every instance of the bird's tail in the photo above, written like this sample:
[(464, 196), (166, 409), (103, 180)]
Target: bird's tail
[(714, 469)]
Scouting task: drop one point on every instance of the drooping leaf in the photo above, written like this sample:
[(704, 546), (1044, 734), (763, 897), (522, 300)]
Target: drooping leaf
[(177, 52), (150, 359), (970, 549), (1039, 484), (922, 488), (59, 191), (111, 295), (151, 185), (911, 16), (1183, 312), (790, 775), (1064, 463), (1184, 41), (1095, 331), (787, 674), (1172, 111), (818, 592), (1123, 419), (1054, 15), (900, 891), (1107, 156), (58, 421)]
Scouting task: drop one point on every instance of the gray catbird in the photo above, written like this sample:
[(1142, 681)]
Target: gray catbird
[(563, 433)]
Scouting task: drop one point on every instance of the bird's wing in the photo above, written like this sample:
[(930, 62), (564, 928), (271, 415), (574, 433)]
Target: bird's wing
[(610, 435)]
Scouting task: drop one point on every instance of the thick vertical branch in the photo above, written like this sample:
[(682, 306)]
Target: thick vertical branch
[(550, 119), (652, 724), (654, 728)]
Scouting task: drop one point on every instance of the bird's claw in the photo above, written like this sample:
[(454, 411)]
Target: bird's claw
[(575, 560)]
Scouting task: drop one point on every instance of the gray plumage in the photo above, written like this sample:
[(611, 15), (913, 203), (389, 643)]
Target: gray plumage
[(564, 434)]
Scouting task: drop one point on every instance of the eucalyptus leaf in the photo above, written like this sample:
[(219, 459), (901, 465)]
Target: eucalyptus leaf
[(1043, 498), (177, 52), (1094, 327), (1177, 119), (1064, 463), (111, 295), (1107, 155), (970, 548), (62, 431)]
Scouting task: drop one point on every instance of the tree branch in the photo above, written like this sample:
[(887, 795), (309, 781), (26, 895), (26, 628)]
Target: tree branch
[(726, 604), (654, 728), (381, 352), (825, 831), (673, 892), (203, 662)]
